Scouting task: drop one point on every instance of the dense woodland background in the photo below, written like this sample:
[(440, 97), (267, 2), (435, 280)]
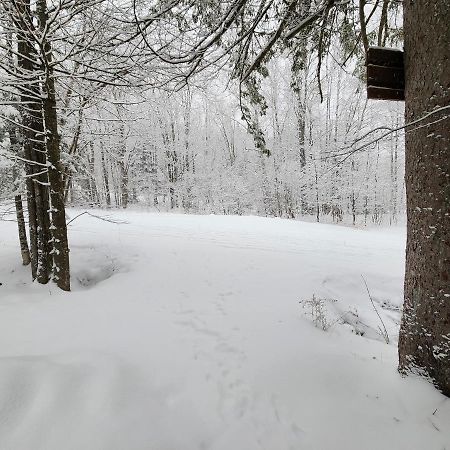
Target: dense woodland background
[(189, 148)]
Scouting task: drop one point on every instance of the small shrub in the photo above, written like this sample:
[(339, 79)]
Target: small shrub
[(318, 312)]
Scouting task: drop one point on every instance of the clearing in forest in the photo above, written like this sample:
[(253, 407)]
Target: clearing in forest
[(207, 332)]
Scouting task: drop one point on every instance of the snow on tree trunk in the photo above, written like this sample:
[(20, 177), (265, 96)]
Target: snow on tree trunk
[(33, 147), (58, 228), (424, 344)]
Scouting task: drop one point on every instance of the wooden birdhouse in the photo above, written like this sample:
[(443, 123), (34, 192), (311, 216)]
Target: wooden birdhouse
[(385, 74)]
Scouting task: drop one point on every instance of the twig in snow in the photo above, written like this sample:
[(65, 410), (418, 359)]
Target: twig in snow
[(434, 426), (104, 218), (383, 331)]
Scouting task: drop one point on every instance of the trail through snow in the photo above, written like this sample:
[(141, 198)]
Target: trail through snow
[(187, 332)]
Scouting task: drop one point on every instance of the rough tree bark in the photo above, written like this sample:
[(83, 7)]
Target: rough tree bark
[(58, 228), (424, 344), (33, 146)]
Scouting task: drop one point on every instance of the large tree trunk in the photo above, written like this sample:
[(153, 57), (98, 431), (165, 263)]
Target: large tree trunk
[(61, 268), (33, 146), (60, 246), (424, 344)]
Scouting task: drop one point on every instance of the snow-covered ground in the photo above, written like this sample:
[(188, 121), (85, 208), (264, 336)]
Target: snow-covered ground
[(187, 332)]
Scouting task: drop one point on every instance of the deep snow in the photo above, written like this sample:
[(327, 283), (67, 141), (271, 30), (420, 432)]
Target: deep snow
[(186, 332)]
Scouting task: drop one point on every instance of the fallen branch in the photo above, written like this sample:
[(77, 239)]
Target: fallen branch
[(104, 218)]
